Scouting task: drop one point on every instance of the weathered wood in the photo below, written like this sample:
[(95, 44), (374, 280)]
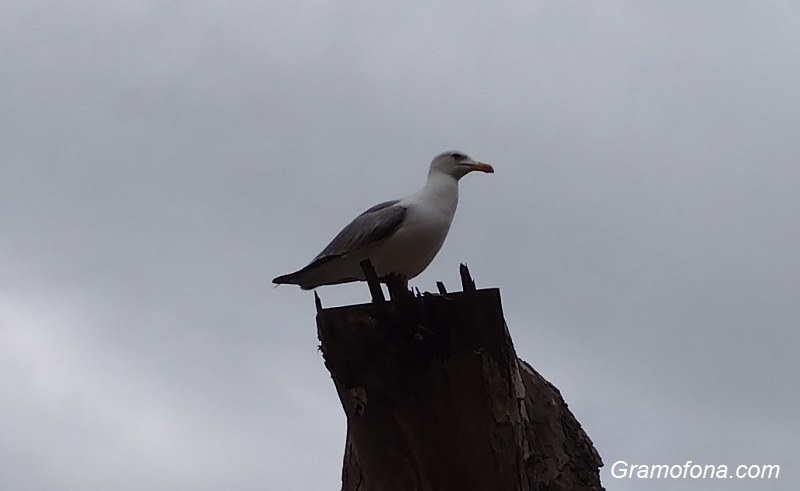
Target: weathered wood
[(317, 302), (372, 281), (436, 399), (467, 283)]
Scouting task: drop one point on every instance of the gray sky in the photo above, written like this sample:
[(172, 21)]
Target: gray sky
[(162, 161)]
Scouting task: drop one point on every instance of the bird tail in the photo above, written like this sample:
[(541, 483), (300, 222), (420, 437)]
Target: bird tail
[(299, 278), (287, 279), (305, 278)]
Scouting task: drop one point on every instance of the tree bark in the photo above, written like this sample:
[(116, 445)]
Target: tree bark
[(437, 400)]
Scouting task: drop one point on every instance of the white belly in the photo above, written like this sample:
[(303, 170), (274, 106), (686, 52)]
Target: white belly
[(412, 248)]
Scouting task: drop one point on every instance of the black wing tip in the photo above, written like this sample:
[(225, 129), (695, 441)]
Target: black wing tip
[(291, 279), (295, 277), (286, 279)]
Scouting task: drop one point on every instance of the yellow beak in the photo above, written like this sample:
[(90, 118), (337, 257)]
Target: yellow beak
[(481, 166)]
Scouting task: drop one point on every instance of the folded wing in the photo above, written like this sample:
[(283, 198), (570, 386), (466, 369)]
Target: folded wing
[(370, 227)]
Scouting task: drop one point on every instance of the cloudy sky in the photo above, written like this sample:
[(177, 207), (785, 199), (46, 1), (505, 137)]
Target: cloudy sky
[(163, 160)]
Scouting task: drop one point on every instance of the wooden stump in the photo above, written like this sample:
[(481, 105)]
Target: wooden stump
[(437, 400)]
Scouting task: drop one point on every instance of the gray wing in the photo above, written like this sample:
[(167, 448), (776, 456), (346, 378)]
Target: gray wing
[(375, 224)]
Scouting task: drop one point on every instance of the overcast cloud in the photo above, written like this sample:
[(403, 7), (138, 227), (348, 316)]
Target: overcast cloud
[(163, 160)]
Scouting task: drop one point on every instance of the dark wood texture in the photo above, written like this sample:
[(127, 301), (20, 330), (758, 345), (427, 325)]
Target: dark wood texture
[(437, 400)]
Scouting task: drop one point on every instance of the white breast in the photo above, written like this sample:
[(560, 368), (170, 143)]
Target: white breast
[(430, 212)]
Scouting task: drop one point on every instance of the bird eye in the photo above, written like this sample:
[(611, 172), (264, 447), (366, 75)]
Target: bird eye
[(458, 156)]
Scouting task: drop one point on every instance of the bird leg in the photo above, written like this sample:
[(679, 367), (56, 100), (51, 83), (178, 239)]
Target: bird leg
[(397, 284), (372, 281)]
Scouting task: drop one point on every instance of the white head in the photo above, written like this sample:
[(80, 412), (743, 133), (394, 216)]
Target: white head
[(456, 164)]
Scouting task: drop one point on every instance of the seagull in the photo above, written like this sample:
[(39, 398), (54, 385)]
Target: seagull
[(399, 237)]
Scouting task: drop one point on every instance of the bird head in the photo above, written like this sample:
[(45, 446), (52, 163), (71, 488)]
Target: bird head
[(457, 164)]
